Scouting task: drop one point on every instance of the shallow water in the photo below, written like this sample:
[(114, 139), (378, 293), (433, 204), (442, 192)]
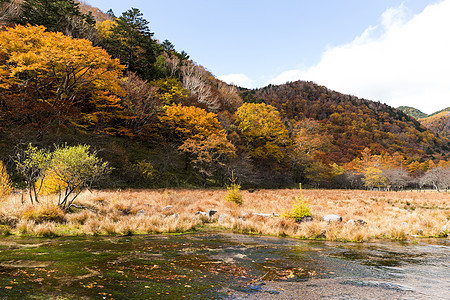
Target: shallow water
[(221, 266)]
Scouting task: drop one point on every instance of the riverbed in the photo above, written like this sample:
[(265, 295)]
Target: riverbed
[(221, 265)]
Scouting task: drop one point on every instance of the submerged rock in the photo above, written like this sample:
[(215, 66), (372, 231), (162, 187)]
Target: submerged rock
[(332, 218)]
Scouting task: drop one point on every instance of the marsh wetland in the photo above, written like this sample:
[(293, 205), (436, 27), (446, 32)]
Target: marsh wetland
[(220, 265)]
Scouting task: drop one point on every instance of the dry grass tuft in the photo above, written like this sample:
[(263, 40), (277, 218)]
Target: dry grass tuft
[(393, 215)]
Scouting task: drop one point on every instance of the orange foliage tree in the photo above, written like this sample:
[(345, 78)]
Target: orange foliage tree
[(58, 77), (199, 135)]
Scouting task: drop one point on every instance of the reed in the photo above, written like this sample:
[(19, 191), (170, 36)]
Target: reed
[(392, 215)]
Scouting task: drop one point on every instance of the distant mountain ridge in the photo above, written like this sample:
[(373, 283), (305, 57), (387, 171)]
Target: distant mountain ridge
[(418, 114), (413, 112), (438, 122)]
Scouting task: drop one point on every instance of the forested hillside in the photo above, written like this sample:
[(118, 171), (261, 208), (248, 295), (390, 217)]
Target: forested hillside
[(438, 122), (71, 74), (352, 123)]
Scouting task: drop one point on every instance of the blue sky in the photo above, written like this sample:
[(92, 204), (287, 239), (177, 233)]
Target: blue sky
[(374, 49)]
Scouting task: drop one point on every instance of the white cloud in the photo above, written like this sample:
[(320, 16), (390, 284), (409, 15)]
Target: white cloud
[(241, 80), (398, 62)]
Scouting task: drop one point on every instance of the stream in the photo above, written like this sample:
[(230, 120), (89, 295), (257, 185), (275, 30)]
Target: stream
[(221, 265)]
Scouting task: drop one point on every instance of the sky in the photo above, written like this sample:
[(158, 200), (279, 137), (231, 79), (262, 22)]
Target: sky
[(393, 51)]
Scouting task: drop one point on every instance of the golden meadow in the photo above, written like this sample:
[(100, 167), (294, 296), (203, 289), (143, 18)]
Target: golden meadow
[(388, 215)]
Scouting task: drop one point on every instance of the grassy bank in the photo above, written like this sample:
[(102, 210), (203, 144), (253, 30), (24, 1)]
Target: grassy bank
[(391, 215)]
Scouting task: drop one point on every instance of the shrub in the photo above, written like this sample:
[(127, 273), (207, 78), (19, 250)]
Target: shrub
[(77, 168), (300, 208), (234, 191), (5, 182)]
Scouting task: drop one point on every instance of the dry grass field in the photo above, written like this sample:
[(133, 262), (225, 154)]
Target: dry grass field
[(390, 215)]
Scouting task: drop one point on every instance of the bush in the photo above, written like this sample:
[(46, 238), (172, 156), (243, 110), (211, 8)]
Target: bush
[(5, 182), (300, 208), (77, 168), (234, 191)]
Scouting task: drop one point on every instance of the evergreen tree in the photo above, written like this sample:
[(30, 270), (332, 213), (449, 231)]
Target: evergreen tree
[(56, 15), (131, 41)]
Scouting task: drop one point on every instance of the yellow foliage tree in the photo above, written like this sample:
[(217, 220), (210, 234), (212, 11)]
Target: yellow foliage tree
[(104, 28), (374, 178), (262, 130), (50, 183), (170, 90), (5, 181), (183, 122)]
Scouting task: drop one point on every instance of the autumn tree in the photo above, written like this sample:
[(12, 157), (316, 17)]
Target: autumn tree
[(229, 97), (170, 91), (374, 178), (5, 181), (57, 78), (209, 154), (199, 135), (263, 133), (142, 103), (179, 123), (309, 147)]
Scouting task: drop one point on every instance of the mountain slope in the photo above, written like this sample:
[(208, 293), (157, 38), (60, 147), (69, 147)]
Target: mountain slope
[(438, 112), (413, 112), (438, 123), (353, 123)]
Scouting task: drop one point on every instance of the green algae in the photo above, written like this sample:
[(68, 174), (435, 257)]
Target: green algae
[(194, 266)]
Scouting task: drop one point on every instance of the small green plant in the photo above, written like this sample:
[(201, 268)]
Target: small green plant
[(234, 191), (5, 230), (300, 208)]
